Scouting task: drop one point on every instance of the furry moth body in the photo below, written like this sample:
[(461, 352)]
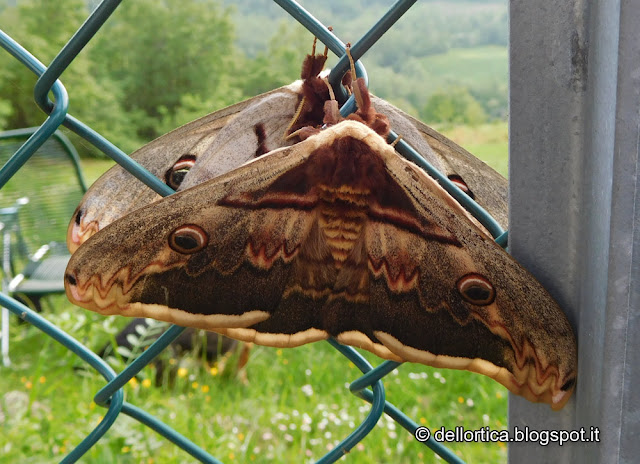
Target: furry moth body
[(334, 236)]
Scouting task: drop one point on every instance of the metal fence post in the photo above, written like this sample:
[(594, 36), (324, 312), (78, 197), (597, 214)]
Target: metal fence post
[(574, 133)]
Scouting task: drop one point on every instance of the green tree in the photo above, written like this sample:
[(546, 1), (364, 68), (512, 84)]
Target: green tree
[(454, 106), (93, 102), (160, 51), (280, 64), (30, 24)]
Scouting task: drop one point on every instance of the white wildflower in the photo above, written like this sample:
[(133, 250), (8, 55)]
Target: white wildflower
[(307, 390)]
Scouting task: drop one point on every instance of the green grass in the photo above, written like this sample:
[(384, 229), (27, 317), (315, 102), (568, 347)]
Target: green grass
[(296, 403), (94, 168)]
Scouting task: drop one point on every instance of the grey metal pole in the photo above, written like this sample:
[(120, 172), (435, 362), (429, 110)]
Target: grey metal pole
[(575, 208)]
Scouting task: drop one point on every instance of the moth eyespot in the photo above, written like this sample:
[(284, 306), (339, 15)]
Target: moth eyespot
[(568, 385), (176, 173), (476, 289), (188, 239), (461, 184), (71, 279)]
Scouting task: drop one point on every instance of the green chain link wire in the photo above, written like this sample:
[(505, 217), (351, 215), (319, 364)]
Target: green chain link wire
[(369, 387)]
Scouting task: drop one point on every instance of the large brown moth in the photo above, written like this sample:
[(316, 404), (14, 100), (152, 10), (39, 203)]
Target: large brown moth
[(223, 140), (336, 236)]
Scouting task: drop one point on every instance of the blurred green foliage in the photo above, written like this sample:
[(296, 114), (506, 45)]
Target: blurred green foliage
[(454, 106)]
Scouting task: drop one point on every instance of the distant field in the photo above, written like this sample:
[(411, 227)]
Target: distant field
[(482, 70), (474, 67)]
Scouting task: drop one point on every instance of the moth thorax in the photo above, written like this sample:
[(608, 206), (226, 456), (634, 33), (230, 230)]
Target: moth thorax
[(342, 216)]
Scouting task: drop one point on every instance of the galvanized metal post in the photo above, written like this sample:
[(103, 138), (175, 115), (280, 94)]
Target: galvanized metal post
[(574, 134)]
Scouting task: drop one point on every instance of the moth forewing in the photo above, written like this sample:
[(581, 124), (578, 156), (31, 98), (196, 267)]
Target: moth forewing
[(486, 186), (260, 129)]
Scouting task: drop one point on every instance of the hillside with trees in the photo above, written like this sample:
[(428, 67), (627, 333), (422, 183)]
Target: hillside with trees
[(157, 64)]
